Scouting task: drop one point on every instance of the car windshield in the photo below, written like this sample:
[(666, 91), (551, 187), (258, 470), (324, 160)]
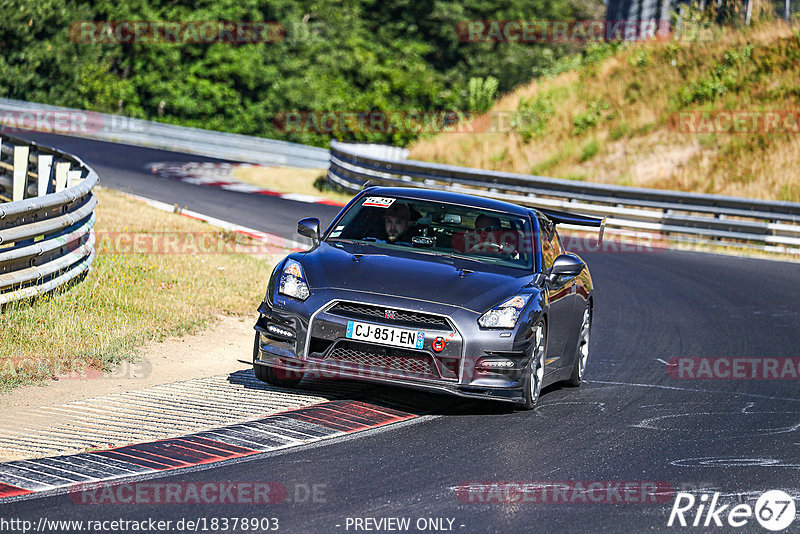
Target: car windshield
[(438, 228)]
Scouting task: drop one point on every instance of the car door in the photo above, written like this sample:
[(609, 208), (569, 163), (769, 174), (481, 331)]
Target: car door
[(561, 292), (578, 296)]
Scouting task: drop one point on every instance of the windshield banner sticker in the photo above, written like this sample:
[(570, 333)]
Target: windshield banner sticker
[(378, 202)]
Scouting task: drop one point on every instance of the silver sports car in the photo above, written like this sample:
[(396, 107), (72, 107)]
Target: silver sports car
[(434, 290)]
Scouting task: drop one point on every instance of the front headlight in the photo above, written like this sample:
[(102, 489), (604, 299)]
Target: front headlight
[(293, 281), (504, 315)]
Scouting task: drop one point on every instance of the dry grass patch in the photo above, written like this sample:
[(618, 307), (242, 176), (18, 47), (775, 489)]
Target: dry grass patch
[(288, 180), (129, 299)]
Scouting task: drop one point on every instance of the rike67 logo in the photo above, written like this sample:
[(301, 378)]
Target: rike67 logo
[(774, 510)]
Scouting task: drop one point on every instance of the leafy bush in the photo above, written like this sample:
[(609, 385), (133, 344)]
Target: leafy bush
[(532, 115), (597, 52), (482, 93), (726, 75), (590, 150), (595, 112)]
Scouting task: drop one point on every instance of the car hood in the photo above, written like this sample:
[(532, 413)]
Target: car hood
[(411, 275)]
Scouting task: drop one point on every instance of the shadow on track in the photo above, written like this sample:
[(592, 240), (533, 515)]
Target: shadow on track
[(397, 398)]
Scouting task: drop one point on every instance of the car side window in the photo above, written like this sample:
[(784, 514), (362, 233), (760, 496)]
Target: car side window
[(550, 244)]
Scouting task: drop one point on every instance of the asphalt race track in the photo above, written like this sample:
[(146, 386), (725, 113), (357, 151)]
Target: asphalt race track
[(632, 422)]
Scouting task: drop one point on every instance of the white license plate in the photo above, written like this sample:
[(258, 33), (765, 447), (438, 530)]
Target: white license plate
[(386, 335)]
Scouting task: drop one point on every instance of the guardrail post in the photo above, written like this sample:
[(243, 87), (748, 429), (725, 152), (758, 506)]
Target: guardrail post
[(73, 177), (62, 169), (20, 183), (45, 165)]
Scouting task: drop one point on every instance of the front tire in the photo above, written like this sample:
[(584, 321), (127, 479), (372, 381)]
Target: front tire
[(582, 352), (276, 377), (535, 370)]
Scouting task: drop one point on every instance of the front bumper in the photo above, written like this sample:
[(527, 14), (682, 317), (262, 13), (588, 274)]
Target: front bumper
[(310, 338)]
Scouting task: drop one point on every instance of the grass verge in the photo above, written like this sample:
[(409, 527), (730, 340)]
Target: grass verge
[(288, 180), (132, 295)]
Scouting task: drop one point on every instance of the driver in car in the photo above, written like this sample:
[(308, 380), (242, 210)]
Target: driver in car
[(396, 222), (487, 223)]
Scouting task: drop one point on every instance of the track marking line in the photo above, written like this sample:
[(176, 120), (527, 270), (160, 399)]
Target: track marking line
[(675, 388)]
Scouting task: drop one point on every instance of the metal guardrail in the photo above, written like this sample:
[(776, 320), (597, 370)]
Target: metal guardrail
[(46, 218), (685, 216), (137, 132)]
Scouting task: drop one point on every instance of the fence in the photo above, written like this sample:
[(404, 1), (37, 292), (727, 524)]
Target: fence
[(663, 12), (768, 225), (46, 218)]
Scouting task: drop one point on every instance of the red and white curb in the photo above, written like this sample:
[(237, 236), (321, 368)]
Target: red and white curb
[(278, 431), (219, 175)]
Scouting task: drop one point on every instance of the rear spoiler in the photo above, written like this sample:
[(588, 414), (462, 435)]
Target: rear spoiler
[(562, 217)]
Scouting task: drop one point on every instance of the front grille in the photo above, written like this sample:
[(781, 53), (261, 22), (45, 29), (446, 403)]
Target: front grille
[(383, 358), (353, 310)]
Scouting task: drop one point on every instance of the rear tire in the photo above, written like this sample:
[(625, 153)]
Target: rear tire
[(534, 374), (276, 377), (582, 351)]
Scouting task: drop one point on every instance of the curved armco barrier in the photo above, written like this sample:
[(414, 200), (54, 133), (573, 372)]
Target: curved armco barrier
[(763, 224), (46, 218)]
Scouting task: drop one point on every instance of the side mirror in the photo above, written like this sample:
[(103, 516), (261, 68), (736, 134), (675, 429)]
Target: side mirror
[(309, 227), (566, 265)]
